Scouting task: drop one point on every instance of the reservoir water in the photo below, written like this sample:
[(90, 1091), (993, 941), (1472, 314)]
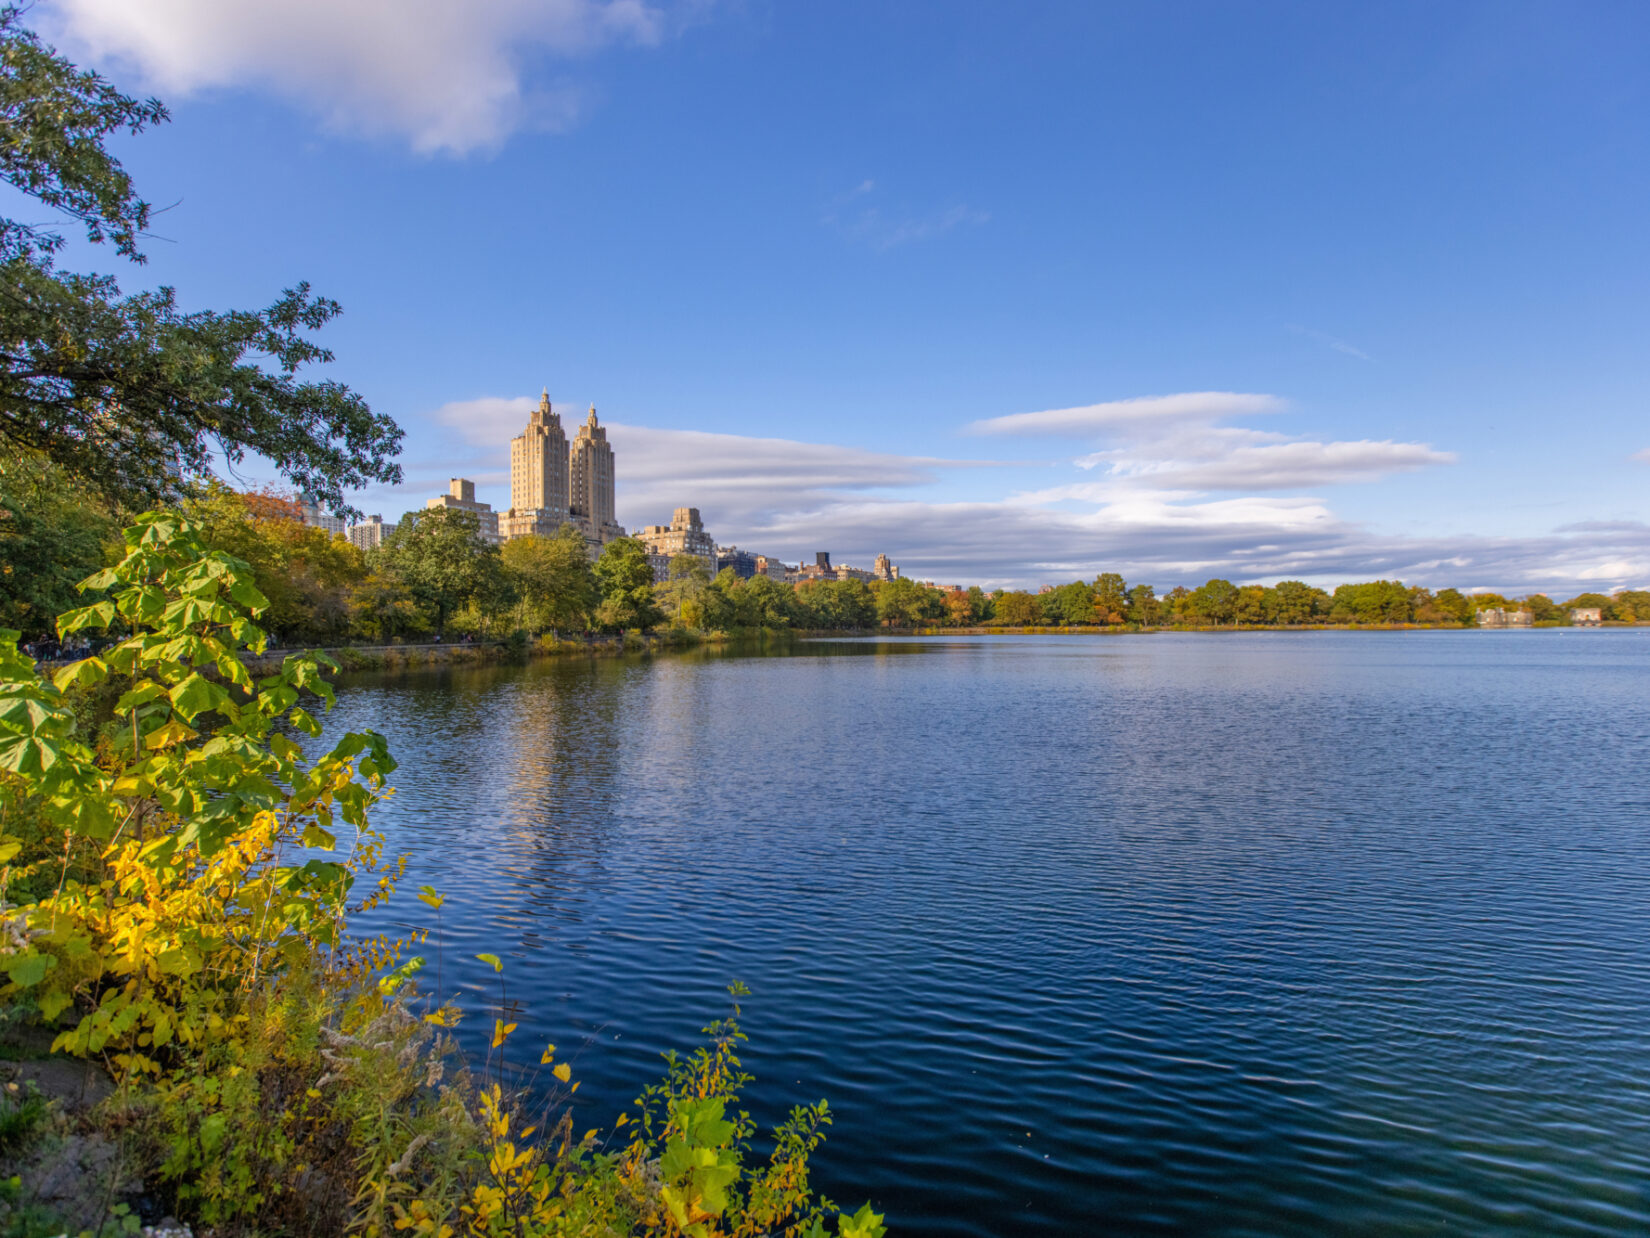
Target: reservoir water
[(1206, 934)]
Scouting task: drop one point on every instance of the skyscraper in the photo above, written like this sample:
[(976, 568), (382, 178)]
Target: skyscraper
[(538, 477), (590, 482), (538, 464)]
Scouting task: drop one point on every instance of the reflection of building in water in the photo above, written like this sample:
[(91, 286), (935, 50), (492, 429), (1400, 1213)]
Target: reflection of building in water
[(566, 726)]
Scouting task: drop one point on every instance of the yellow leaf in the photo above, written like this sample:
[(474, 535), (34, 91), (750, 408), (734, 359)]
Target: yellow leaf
[(548, 1055), (623, 1118), (501, 1030), (564, 1072)]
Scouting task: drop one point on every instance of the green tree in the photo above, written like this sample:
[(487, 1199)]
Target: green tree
[(1630, 606), (1543, 609), (552, 578), (129, 393), (1144, 608), (382, 608), (1069, 604), (1255, 605), (52, 536), (1017, 609), (904, 603), (1374, 601), (1296, 602), (682, 593), (1111, 598), (441, 558), (1600, 600), (305, 573), (1446, 606), (981, 605), (764, 603), (1214, 601), (624, 578)]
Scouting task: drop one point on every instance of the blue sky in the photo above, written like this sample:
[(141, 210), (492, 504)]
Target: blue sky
[(1338, 291)]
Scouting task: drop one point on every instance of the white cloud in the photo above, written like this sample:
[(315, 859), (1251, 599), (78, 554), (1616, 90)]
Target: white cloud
[(1330, 341), (451, 77), (1113, 414), (874, 226), (1642, 456)]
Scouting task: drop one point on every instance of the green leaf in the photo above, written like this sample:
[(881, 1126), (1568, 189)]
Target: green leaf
[(491, 959), (174, 732), (101, 614), (140, 695), (28, 970), (196, 695), (246, 593), (81, 674), (391, 981), (27, 755)]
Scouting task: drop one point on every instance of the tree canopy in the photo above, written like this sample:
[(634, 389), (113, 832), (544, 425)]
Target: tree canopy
[(130, 393)]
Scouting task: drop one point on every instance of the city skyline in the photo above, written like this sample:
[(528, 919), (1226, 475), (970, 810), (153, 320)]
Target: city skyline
[(1267, 293)]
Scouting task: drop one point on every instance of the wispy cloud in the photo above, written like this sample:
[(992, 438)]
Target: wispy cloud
[(1642, 456), (1090, 418), (1175, 443), (854, 216), (1329, 341), (1207, 463), (451, 78)]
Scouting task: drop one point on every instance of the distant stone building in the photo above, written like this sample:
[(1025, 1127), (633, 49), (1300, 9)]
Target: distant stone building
[(367, 535), (1587, 616), (684, 535), (461, 496), (313, 514), (772, 568), (552, 483), (741, 562), (1497, 617), (821, 570)]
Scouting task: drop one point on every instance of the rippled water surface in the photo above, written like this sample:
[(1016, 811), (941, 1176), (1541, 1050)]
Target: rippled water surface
[(1240, 934)]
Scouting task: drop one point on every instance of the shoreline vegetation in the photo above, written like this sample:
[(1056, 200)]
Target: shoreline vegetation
[(435, 582)]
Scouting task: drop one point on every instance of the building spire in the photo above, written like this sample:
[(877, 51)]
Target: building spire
[(592, 420)]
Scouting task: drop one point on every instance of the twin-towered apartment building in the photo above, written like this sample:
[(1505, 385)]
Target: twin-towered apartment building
[(552, 482)]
